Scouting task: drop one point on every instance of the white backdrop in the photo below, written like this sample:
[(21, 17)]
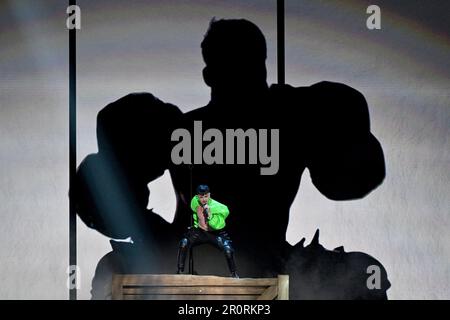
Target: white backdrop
[(402, 70)]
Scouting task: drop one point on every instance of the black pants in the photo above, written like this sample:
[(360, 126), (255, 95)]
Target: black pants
[(196, 236)]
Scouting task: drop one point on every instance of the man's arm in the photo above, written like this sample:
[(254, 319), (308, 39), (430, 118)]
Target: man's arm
[(197, 208), (195, 204), (217, 217)]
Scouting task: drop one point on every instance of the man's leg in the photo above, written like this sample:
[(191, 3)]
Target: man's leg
[(189, 239), (224, 242), (182, 252), (229, 254)]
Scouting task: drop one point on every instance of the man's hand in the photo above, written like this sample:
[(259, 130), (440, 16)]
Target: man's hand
[(206, 210)]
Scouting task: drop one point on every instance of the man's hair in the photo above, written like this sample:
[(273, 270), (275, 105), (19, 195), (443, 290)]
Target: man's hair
[(202, 189), (233, 39)]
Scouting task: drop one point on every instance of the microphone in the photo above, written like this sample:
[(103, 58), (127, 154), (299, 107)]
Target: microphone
[(205, 211)]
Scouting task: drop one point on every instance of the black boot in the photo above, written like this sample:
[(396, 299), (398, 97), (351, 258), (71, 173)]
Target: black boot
[(182, 252), (231, 264)]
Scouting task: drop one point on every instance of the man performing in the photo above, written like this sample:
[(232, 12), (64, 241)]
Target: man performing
[(209, 223)]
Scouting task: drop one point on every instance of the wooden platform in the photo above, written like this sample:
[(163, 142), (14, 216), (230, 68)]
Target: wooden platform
[(190, 287)]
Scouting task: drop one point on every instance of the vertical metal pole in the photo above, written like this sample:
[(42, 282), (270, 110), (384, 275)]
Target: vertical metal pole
[(191, 251), (280, 42), (72, 155)]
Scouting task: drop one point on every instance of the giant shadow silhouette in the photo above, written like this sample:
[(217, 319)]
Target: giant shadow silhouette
[(324, 127)]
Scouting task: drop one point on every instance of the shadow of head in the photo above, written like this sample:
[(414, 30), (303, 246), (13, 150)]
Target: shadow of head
[(235, 53)]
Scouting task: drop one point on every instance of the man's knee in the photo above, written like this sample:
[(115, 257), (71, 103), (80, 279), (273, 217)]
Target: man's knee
[(227, 248), (184, 243)]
